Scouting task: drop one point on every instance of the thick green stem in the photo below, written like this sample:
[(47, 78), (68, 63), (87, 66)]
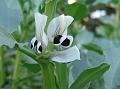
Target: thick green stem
[(62, 75), (50, 9), (26, 51), (118, 14), (16, 70), (48, 68), (48, 75), (38, 58), (2, 72), (117, 24)]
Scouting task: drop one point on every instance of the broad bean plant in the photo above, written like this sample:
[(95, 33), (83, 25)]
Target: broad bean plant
[(59, 44)]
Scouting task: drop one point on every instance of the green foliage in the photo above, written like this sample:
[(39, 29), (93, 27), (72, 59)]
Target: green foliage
[(6, 39), (10, 15), (93, 47), (2, 72), (97, 40), (98, 84), (112, 77), (48, 76), (32, 67), (101, 1), (84, 37), (77, 10), (105, 30), (62, 72), (89, 75)]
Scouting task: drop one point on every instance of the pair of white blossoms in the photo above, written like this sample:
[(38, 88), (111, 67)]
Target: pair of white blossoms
[(57, 34)]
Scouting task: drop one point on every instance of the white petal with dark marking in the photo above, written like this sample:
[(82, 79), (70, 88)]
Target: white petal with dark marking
[(39, 47), (33, 42), (67, 55), (66, 42), (40, 22), (58, 26)]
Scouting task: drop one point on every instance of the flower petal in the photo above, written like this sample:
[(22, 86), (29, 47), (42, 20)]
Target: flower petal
[(65, 21), (58, 26), (40, 22), (67, 55), (39, 47), (67, 44), (44, 41), (33, 42)]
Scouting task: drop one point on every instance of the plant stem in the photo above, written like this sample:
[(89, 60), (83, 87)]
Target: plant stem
[(2, 72), (50, 9), (15, 73), (48, 76), (62, 75), (117, 25), (48, 68), (26, 51)]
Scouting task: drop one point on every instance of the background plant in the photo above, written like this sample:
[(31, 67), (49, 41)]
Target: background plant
[(97, 39)]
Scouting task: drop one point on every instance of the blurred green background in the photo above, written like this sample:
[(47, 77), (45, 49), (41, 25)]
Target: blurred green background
[(96, 32)]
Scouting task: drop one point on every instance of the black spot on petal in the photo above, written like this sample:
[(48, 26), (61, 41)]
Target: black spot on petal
[(40, 48), (31, 46), (66, 42), (35, 44), (57, 39)]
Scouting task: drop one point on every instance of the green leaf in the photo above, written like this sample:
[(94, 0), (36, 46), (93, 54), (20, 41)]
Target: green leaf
[(86, 1), (6, 39), (32, 67), (98, 84), (95, 58), (77, 67), (111, 50), (62, 75), (89, 1), (10, 15), (47, 1), (41, 8), (89, 60), (84, 37), (101, 1), (93, 47), (112, 77), (77, 10), (89, 75), (115, 1), (108, 19), (105, 44), (105, 30)]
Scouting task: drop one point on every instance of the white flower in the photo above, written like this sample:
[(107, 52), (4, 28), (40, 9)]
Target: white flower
[(40, 40), (57, 31), (67, 55), (97, 14), (71, 1), (57, 34)]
